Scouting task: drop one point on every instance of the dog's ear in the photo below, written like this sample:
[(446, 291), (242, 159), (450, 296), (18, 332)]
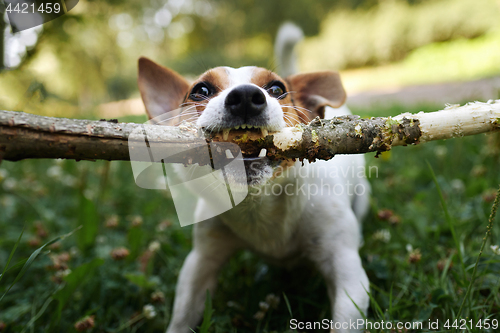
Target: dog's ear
[(314, 91), (162, 90)]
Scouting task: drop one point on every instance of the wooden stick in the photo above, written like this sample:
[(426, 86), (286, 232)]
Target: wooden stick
[(24, 136)]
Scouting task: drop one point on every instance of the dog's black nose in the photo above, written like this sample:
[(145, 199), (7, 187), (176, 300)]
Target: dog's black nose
[(246, 101)]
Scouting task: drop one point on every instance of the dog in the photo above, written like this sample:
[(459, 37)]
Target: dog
[(316, 215)]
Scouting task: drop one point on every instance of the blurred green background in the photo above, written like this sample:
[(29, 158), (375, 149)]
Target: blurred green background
[(125, 259), (73, 65)]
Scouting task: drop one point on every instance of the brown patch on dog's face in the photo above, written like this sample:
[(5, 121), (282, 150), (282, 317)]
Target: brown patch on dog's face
[(270, 81), (207, 86), (217, 76), (262, 77)]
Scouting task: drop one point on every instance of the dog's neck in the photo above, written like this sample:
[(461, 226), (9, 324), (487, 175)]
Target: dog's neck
[(268, 216)]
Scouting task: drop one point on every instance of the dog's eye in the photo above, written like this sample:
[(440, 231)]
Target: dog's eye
[(200, 92), (276, 89)]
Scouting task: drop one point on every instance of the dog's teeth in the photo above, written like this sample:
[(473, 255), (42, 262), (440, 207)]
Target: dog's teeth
[(236, 127), (229, 154), (264, 132), (263, 152), (225, 134), (243, 126)]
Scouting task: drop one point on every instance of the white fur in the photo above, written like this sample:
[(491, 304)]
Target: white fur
[(239, 75)]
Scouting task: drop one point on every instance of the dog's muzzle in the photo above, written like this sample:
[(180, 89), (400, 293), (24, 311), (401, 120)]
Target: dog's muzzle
[(245, 101)]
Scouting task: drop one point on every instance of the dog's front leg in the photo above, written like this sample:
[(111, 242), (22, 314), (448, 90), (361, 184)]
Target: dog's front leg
[(213, 244), (336, 254), (349, 290)]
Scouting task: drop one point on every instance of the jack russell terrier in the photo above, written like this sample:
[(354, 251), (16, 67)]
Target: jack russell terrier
[(317, 215)]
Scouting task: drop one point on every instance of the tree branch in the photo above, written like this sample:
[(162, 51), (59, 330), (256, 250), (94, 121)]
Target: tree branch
[(24, 136)]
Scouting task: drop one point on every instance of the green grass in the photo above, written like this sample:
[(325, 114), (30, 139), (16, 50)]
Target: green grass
[(48, 199)]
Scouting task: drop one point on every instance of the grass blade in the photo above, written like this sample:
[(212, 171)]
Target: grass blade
[(493, 213), (448, 219), (361, 312), (11, 255), (374, 304), (288, 305), (207, 315), (79, 276), (32, 258), (42, 310)]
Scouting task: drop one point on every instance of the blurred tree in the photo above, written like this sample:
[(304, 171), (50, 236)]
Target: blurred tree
[(89, 55)]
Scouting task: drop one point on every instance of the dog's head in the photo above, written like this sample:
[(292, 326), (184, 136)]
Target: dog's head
[(224, 99)]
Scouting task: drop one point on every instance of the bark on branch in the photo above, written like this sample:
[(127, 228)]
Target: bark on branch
[(24, 136)]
